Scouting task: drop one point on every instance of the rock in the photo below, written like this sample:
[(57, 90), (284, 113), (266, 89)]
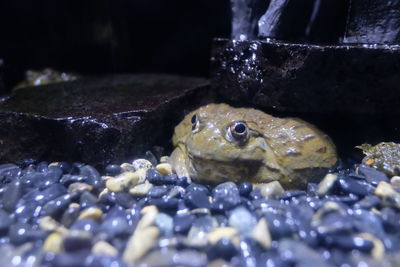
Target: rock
[(326, 184), (79, 187), (271, 189), (261, 234), (225, 196), (164, 168), (53, 243), (123, 181), (242, 220), (77, 241), (287, 78), (224, 249), (47, 223), (104, 248), (116, 226), (197, 199), (388, 195), (86, 225), (149, 215), (5, 221), (221, 232), (113, 169), (141, 164), (140, 243), (182, 223), (384, 157), (98, 121), (291, 20), (165, 223), (245, 188), (70, 214), (373, 22), (8, 172), (141, 189)]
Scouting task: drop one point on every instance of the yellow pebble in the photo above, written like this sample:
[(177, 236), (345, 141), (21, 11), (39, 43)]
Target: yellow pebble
[(127, 167), (123, 181), (271, 189), (53, 243), (91, 213), (140, 243), (221, 232), (164, 168), (261, 234), (104, 248), (141, 189)]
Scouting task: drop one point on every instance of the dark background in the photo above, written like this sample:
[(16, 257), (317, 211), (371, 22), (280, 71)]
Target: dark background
[(95, 37)]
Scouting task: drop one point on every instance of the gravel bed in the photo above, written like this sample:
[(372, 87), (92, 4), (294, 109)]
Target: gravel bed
[(142, 214)]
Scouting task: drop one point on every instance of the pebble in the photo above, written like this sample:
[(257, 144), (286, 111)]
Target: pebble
[(70, 214), (372, 175), (242, 220), (116, 226), (47, 223), (165, 223), (157, 191), (86, 225), (11, 195), (154, 177), (141, 189), (164, 159), (113, 169), (141, 164), (395, 182), (326, 184), (122, 182), (91, 213), (164, 168), (79, 188), (56, 206), (197, 199), (271, 189), (5, 221), (221, 232), (223, 249), (92, 176), (388, 195), (149, 214), (225, 196), (8, 172), (53, 243), (87, 199), (140, 243), (245, 188), (350, 185), (261, 234), (104, 248), (77, 241), (182, 223), (127, 167)]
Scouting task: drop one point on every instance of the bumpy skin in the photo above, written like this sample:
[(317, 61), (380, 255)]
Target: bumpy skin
[(289, 150)]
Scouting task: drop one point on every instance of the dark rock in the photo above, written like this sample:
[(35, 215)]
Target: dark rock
[(92, 176), (8, 172), (353, 186), (245, 188), (87, 225), (70, 215), (12, 195), (222, 249), (75, 259), (87, 200), (373, 22), (225, 196), (346, 242), (5, 221), (104, 261), (165, 203), (121, 198), (57, 206), (42, 166), (291, 194), (157, 191), (197, 199), (77, 241), (117, 226), (368, 202), (43, 179), (68, 179), (150, 157), (22, 232), (154, 177), (372, 175), (290, 20), (197, 187), (97, 121), (113, 169)]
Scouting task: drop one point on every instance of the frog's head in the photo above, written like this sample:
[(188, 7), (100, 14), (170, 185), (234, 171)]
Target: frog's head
[(218, 142)]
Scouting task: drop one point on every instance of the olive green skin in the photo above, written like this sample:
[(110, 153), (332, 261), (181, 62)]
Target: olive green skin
[(287, 150)]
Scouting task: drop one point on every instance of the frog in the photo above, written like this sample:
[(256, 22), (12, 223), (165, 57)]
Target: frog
[(217, 143)]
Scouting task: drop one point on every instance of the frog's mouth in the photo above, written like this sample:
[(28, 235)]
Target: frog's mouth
[(217, 170)]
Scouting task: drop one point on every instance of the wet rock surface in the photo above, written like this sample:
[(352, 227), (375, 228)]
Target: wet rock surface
[(96, 121), (349, 218)]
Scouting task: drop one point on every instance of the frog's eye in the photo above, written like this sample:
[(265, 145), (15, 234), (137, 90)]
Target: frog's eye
[(238, 131), (195, 122)]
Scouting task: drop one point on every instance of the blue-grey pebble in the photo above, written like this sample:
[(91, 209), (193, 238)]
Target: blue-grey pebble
[(77, 242), (117, 226), (21, 233), (372, 175), (56, 206), (196, 199), (85, 224), (242, 219), (197, 187), (368, 202), (225, 196), (165, 203), (92, 176), (11, 195), (360, 188), (245, 188), (104, 261), (165, 223), (154, 177), (8, 172), (223, 249), (87, 199), (182, 223), (5, 221), (113, 169), (157, 191), (69, 216)]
